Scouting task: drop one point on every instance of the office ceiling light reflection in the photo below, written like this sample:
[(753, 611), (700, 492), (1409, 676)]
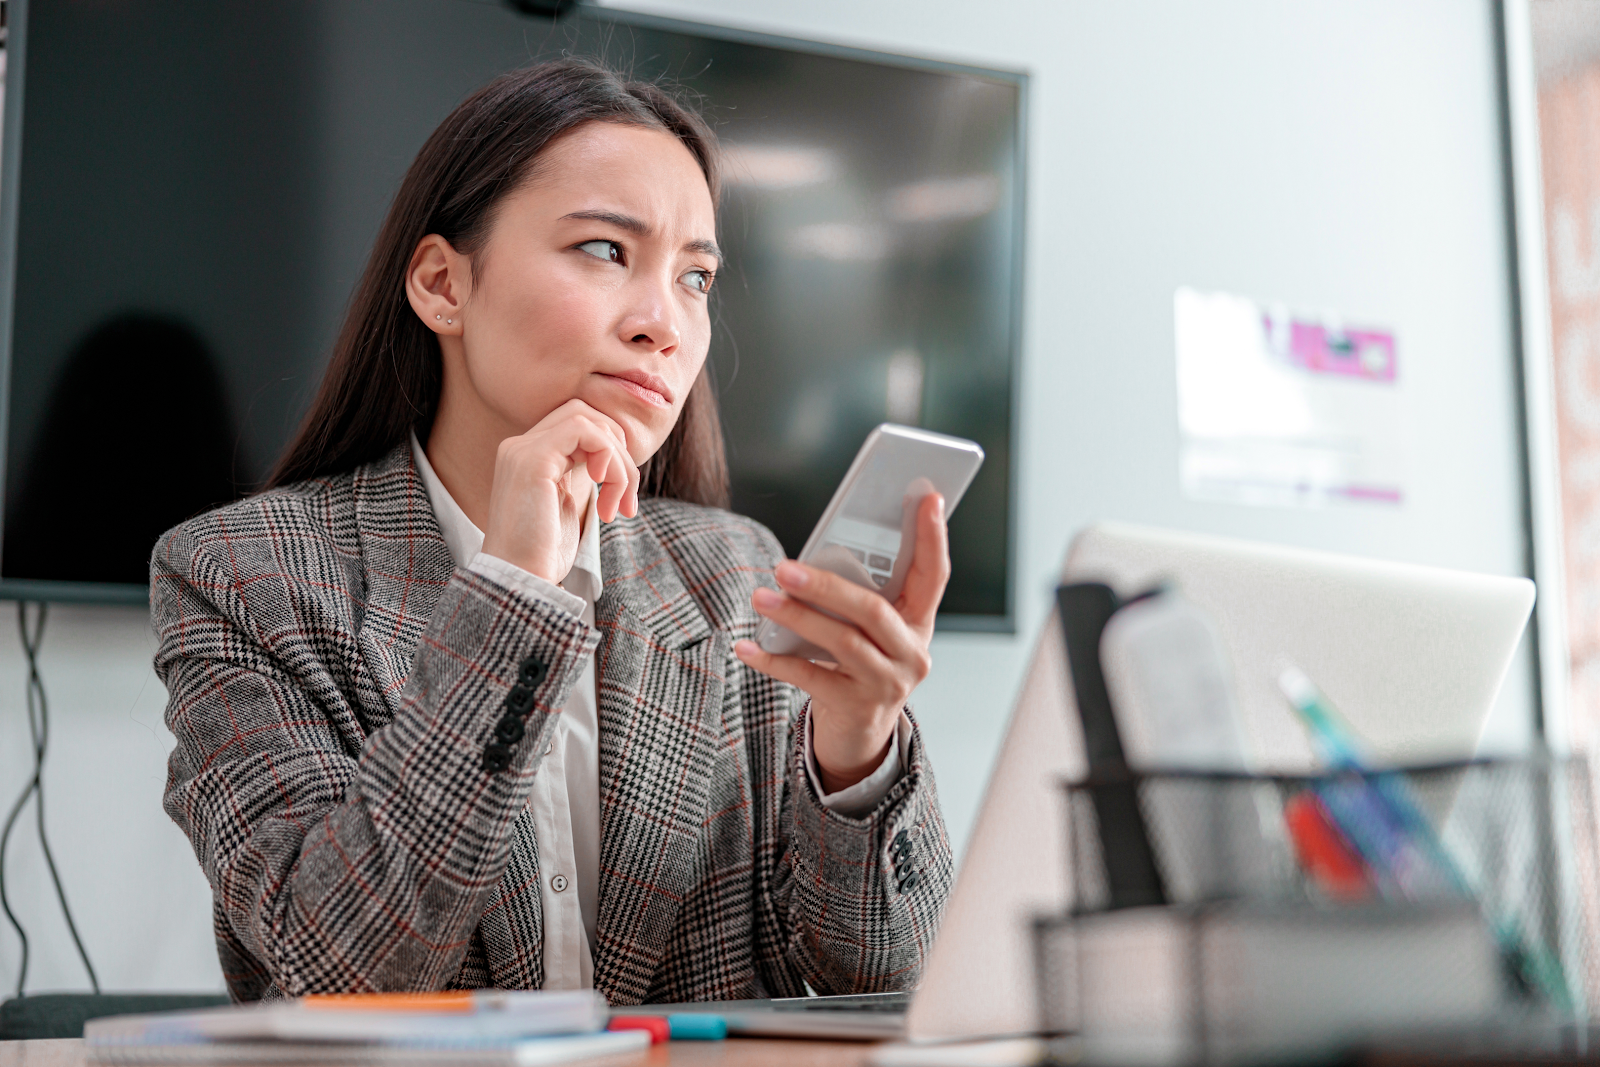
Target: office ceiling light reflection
[(903, 387), (842, 242), (759, 166), (942, 199)]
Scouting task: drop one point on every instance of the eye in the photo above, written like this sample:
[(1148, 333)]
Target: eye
[(609, 251), (700, 280)]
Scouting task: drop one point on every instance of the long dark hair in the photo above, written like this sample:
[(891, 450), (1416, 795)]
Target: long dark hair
[(384, 377)]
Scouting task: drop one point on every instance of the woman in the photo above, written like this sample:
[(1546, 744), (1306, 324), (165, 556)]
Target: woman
[(467, 697)]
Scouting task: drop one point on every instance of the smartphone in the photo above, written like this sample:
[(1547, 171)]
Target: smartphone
[(868, 532)]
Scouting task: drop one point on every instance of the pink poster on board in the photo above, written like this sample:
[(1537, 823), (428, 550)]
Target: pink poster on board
[(1321, 349), (1281, 408)]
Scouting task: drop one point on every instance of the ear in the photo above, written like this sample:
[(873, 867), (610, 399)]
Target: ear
[(438, 282)]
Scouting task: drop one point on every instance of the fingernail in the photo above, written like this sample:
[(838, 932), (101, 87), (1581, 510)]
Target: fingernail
[(766, 598), (744, 648), (938, 507), (792, 574)]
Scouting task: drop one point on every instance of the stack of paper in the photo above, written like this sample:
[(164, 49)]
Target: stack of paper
[(485, 1028)]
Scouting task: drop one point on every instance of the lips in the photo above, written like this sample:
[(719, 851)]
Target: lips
[(647, 387)]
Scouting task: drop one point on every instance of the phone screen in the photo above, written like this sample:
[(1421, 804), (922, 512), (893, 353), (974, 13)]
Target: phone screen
[(874, 546), (860, 535)]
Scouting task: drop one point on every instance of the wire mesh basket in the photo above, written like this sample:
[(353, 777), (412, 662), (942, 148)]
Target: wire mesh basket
[(1411, 883)]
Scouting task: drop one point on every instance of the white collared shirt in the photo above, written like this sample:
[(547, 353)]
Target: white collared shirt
[(565, 802)]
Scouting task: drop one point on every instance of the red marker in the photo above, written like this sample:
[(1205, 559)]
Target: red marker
[(657, 1026), (1327, 856)]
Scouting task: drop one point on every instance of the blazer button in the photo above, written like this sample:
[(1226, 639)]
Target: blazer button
[(496, 758), (901, 840), (910, 882), (532, 671), (519, 700), (509, 730)]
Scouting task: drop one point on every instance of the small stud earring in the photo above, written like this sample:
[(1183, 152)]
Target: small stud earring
[(448, 321), (438, 316)]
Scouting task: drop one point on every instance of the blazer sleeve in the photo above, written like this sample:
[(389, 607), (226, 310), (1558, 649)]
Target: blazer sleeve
[(341, 860), (863, 896), (857, 899)]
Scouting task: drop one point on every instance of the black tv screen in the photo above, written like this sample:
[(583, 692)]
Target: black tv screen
[(190, 189)]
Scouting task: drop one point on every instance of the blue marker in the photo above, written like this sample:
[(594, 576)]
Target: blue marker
[(696, 1026)]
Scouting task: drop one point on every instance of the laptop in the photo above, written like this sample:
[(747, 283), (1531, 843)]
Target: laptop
[(1414, 656)]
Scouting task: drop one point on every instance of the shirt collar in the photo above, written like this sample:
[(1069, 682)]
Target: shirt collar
[(464, 540)]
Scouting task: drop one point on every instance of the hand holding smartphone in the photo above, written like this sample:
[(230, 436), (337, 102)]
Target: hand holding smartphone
[(867, 534)]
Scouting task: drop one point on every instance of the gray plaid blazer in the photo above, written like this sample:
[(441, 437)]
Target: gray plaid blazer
[(334, 681)]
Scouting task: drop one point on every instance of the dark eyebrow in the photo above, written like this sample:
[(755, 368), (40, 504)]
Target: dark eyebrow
[(641, 228), (708, 248), (622, 222)]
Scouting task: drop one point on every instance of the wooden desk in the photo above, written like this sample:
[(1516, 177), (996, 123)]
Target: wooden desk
[(735, 1052)]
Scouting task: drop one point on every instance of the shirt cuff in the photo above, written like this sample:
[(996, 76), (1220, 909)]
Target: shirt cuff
[(527, 583), (857, 800)]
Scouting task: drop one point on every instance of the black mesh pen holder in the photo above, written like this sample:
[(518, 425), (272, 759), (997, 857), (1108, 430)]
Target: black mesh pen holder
[(1510, 844)]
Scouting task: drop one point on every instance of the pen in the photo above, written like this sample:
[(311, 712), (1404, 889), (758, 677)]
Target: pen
[(454, 1002), (444, 1002), (1404, 854)]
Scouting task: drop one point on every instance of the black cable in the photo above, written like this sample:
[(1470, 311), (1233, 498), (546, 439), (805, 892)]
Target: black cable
[(39, 731), (5, 839), (36, 698)]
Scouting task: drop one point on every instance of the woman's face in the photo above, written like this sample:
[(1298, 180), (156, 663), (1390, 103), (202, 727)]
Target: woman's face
[(592, 283)]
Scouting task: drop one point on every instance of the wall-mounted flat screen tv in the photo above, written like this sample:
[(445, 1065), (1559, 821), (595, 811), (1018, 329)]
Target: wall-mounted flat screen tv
[(190, 189)]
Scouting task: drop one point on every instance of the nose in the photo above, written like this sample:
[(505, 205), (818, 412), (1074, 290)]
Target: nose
[(652, 324)]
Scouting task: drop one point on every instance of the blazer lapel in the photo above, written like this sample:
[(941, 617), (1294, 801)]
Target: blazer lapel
[(662, 672), (406, 564)]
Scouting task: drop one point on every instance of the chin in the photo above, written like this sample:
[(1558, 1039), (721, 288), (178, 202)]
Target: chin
[(651, 446), (641, 434)]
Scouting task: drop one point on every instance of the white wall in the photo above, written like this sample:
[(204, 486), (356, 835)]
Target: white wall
[(1337, 153), (139, 899)]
